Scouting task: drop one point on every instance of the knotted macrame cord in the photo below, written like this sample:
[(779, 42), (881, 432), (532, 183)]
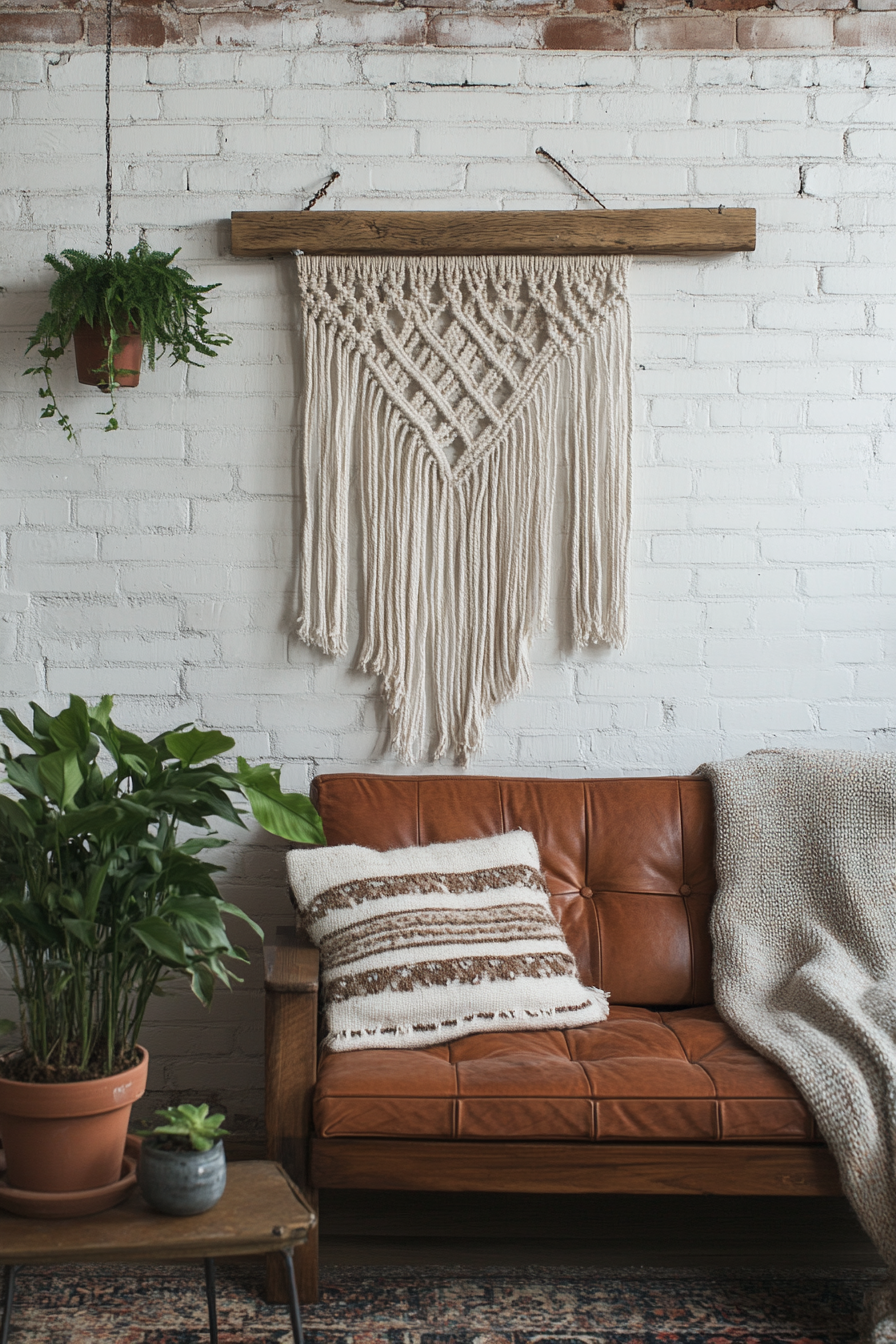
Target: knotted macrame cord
[(521, 365)]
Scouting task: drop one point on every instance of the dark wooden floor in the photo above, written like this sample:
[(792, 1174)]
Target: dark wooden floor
[(403, 1228)]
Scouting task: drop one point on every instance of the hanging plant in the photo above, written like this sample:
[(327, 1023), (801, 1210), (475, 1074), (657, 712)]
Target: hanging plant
[(113, 307)]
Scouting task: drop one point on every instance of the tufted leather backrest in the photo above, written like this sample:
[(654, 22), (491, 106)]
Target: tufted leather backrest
[(629, 862)]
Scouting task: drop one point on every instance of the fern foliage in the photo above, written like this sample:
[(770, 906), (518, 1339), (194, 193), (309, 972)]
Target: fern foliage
[(117, 293)]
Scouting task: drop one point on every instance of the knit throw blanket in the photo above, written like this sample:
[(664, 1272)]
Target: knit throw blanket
[(454, 394), (804, 946)]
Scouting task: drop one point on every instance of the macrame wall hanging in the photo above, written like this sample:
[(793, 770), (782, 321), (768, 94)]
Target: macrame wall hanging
[(460, 371), (464, 390)]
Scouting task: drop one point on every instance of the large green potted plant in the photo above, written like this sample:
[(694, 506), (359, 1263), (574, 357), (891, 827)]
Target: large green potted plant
[(103, 894), (112, 307)]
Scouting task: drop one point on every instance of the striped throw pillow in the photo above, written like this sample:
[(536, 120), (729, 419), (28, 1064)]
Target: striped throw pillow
[(423, 945)]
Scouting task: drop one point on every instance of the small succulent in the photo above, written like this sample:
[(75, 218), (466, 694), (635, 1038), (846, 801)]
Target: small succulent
[(191, 1123)]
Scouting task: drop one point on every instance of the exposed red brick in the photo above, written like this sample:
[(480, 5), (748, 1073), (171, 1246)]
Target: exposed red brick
[(572, 34), (374, 27), (813, 6), (601, 6), (59, 28), (145, 29), (780, 32), (724, 6), (865, 30), (128, 30), (686, 32), (180, 28), (246, 29), (594, 25), (483, 30), (205, 4)]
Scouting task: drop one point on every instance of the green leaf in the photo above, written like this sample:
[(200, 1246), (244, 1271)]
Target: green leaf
[(227, 909), (70, 729), (95, 889), (290, 815), (13, 816), (61, 776), (97, 819), (213, 801), (42, 721), (202, 983), (196, 746), (200, 842), (23, 774), (99, 714), (189, 876), (198, 921), (72, 901), (83, 930), (30, 917), (150, 849), (161, 939), (16, 726), (6, 1026)]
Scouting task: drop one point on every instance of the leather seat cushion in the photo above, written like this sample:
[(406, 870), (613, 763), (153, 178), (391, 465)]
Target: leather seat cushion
[(676, 1075)]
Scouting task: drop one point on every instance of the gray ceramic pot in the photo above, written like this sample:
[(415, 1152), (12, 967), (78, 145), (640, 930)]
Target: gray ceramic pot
[(181, 1183)]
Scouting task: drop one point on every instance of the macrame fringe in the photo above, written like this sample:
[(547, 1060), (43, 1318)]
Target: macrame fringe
[(456, 559)]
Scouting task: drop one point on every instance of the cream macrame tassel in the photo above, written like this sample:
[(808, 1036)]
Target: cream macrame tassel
[(457, 390)]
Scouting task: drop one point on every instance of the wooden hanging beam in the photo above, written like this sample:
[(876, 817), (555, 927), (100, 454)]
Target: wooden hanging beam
[(463, 233)]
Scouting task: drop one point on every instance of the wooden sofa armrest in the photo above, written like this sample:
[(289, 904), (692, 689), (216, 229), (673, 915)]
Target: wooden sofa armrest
[(290, 983), (290, 967), (290, 1073)]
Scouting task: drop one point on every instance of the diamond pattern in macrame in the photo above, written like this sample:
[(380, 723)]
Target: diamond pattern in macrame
[(458, 352)]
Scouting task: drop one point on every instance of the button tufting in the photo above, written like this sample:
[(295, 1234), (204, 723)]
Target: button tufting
[(585, 891), (684, 889)]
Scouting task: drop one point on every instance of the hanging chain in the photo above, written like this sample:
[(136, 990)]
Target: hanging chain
[(542, 153), (319, 195), (108, 128)]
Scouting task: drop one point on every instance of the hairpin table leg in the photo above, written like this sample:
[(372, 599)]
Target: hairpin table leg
[(295, 1314), (210, 1296), (11, 1272)]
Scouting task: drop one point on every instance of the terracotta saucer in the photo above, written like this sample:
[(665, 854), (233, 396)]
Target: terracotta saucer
[(71, 1203)]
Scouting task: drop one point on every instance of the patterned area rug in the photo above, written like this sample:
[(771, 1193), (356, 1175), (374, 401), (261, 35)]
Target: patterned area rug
[(85, 1304)]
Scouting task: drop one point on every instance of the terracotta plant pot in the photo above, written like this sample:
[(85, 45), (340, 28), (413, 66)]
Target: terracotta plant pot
[(90, 356), (68, 1136)]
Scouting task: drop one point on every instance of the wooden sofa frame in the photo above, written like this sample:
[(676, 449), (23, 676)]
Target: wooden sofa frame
[(647, 1168)]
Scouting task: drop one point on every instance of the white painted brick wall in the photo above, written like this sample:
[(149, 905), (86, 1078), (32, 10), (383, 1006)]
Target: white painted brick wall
[(156, 563)]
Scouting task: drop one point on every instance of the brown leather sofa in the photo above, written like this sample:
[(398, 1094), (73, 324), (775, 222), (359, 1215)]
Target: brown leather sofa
[(662, 1097)]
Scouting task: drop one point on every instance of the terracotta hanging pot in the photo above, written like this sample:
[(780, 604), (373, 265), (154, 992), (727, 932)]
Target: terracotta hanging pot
[(68, 1136), (90, 356)]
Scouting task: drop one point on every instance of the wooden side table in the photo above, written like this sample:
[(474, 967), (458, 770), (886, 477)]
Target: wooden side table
[(260, 1211)]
